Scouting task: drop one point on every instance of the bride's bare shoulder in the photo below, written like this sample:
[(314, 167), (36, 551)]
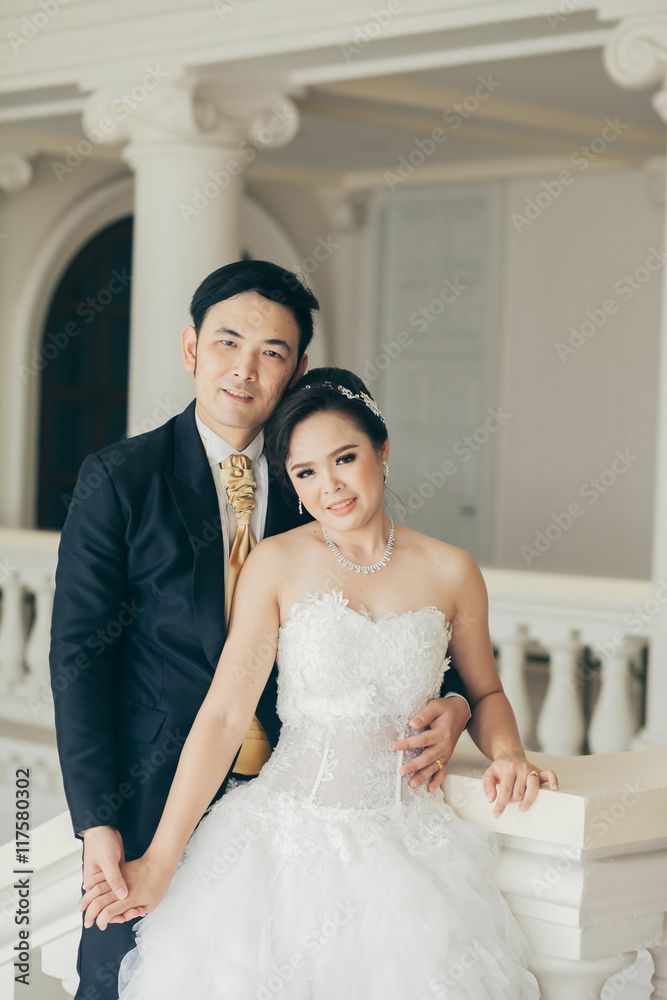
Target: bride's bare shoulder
[(455, 562), (288, 542)]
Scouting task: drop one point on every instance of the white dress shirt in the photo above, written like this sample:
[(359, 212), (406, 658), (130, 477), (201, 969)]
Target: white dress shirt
[(218, 449)]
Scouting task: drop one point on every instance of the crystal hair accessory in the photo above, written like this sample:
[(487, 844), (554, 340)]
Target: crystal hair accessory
[(363, 396)]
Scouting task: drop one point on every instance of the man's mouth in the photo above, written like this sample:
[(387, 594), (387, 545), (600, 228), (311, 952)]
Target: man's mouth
[(238, 394)]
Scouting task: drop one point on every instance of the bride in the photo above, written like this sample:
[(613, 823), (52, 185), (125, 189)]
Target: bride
[(330, 875)]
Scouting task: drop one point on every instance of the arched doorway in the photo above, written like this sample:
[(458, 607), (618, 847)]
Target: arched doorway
[(84, 366)]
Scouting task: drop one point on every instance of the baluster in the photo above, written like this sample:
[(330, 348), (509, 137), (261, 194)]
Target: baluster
[(614, 721), (659, 955), (581, 979), (37, 646), (560, 726), (512, 668), (12, 634)]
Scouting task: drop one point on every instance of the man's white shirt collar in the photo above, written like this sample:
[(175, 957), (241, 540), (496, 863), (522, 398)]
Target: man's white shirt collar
[(217, 449)]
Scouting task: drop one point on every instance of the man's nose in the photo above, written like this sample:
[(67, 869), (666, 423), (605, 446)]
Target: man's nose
[(244, 368)]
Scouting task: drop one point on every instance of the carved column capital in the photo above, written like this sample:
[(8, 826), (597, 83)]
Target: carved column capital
[(184, 110), (636, 55)]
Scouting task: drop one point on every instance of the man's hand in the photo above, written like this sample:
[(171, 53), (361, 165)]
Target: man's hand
[(148, 882), (446, 719), (102, 856)]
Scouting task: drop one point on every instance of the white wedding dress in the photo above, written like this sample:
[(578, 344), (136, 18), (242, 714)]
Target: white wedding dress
[(327, 876)]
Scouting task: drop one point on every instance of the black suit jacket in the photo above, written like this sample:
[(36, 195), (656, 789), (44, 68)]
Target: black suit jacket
[(138, 624)]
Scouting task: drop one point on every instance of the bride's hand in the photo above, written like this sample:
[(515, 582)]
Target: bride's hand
[(147, 883), (509, 778)]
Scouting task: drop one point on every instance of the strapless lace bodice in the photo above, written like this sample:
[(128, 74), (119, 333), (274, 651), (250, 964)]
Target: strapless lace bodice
[(327, 875), (347, 688)]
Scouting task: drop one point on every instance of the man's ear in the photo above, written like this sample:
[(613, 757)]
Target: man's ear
[(189, 346), (300, 371)]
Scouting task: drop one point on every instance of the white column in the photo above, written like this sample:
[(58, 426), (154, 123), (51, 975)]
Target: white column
[(345, 214), (636, 56), (188, 144)]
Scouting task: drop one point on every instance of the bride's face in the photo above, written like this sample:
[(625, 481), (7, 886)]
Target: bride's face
[(336, 470)]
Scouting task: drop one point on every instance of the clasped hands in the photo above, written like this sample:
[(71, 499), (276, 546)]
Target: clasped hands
[(118, 890)]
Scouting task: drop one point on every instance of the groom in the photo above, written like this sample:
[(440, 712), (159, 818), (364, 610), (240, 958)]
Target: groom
[(146, 557)]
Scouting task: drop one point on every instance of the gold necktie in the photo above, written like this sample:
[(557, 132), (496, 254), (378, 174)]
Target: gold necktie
[(236, 475)]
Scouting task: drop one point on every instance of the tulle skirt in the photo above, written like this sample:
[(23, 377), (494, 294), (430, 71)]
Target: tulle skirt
[(277, 898)]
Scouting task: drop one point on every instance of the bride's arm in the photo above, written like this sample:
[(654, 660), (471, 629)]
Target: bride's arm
[(493, 726), (219, 728)]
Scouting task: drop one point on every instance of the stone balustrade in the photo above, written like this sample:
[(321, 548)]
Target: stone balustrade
[(573, 623)]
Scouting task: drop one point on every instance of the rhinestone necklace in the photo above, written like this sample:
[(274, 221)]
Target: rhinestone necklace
[(375, 568)]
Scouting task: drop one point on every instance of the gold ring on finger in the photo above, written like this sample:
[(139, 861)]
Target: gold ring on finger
[(439, 763), (532, 772)]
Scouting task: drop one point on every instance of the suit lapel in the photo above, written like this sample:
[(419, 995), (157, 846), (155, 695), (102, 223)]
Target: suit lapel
[(194, 494)]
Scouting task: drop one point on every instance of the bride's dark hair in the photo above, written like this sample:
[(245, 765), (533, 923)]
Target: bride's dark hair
[(312, 395)]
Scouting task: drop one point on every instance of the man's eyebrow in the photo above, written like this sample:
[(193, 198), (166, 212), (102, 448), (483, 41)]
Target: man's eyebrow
[(307, 465), (274, 340)]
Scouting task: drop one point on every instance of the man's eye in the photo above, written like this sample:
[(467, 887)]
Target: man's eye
[(303, 473), (273, 354)]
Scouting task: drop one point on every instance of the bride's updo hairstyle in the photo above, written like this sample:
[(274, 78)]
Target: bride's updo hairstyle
[(314, 394)]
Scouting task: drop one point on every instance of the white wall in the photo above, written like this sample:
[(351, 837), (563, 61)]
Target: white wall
[(569, 418)]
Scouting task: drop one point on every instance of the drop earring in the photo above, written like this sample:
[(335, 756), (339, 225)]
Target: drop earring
[(386, 471), (300, 507)]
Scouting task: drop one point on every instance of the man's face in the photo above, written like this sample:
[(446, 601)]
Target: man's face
[(244, 360)]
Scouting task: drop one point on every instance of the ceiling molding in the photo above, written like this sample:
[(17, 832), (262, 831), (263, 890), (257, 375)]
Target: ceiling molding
[(97, 44), (415, 124), (409, 93), (470, 170), (464, 56)]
